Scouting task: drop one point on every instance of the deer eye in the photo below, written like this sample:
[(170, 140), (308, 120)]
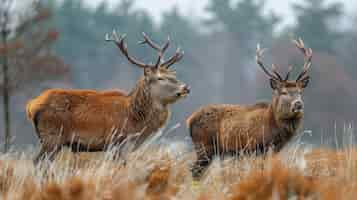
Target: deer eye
[(160, 79)]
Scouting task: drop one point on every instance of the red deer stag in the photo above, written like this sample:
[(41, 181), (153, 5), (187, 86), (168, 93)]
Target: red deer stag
[(233, 129), (89, 120)]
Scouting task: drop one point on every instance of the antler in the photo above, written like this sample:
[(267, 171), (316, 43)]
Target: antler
[(307, 56), (174, 59), (161, 51), (119, 41), (259, 55), (151, 43)]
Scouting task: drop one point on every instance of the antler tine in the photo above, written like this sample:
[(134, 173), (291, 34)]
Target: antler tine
[(289, 72), (114, 37), (159, 58), (307, 56), (274, 70), (174, 59), (151, 43), (258, 58), (166, 45), (162, 52), (119, 41)]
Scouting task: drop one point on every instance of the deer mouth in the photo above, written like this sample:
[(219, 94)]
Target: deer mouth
[(294, 119), (293, 122), (294, 116), (184, 92)]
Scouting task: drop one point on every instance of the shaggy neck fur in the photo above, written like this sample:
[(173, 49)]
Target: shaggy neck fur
[(283, 129), (144, 111)]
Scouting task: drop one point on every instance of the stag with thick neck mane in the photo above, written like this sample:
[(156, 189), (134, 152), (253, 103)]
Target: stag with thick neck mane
[(233, 129), (89, 120)]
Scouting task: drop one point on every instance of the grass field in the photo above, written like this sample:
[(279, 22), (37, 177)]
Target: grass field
[(155, 173)]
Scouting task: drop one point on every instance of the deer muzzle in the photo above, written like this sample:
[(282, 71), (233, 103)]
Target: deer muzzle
[(297, 107), (185, 90)]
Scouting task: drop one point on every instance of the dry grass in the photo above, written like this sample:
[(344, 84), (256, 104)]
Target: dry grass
[(156, 174)]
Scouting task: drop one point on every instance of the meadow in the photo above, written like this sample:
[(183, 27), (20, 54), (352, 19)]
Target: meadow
[(162, 171)]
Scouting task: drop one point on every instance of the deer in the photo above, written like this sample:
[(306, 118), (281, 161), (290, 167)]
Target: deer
[(91, 120), (225, 129)]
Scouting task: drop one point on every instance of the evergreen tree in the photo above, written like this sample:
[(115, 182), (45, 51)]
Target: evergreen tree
[(246, 25), (246, 20), (178, 27), (316, 23)]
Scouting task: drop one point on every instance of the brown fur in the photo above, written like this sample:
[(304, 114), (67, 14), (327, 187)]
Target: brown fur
[(222, 129), (89, 118)]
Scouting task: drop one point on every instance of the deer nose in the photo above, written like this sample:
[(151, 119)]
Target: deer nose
[(187, 89), (298, 106)]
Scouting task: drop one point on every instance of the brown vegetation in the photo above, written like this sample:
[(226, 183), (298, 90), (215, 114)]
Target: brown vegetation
[(153, 174)]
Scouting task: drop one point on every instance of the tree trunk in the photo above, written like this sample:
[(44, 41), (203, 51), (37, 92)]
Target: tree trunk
[(6, 95)]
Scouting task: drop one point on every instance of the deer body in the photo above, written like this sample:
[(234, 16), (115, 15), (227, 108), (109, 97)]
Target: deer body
[(234, 129), (91, 117), (89, 120)]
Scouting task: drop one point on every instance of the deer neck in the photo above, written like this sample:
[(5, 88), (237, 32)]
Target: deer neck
[(143, 109), (282, 129)]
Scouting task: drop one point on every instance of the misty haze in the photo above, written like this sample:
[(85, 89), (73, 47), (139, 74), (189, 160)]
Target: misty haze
[(219, 41), (158, 99)]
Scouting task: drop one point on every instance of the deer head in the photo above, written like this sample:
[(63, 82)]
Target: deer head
[(287, 94), (158, 77)]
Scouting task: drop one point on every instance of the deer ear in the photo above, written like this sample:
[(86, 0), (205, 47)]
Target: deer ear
[(305, 82), (274, 84)]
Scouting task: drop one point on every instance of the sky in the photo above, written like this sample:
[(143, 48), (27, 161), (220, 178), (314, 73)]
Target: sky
[(197, 7)]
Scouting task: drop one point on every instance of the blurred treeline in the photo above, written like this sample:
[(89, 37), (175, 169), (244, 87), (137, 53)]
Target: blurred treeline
[(219, 57)]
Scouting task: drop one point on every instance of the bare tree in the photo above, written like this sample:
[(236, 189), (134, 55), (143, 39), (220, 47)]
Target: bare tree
[(4, 26), (25, 53)]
